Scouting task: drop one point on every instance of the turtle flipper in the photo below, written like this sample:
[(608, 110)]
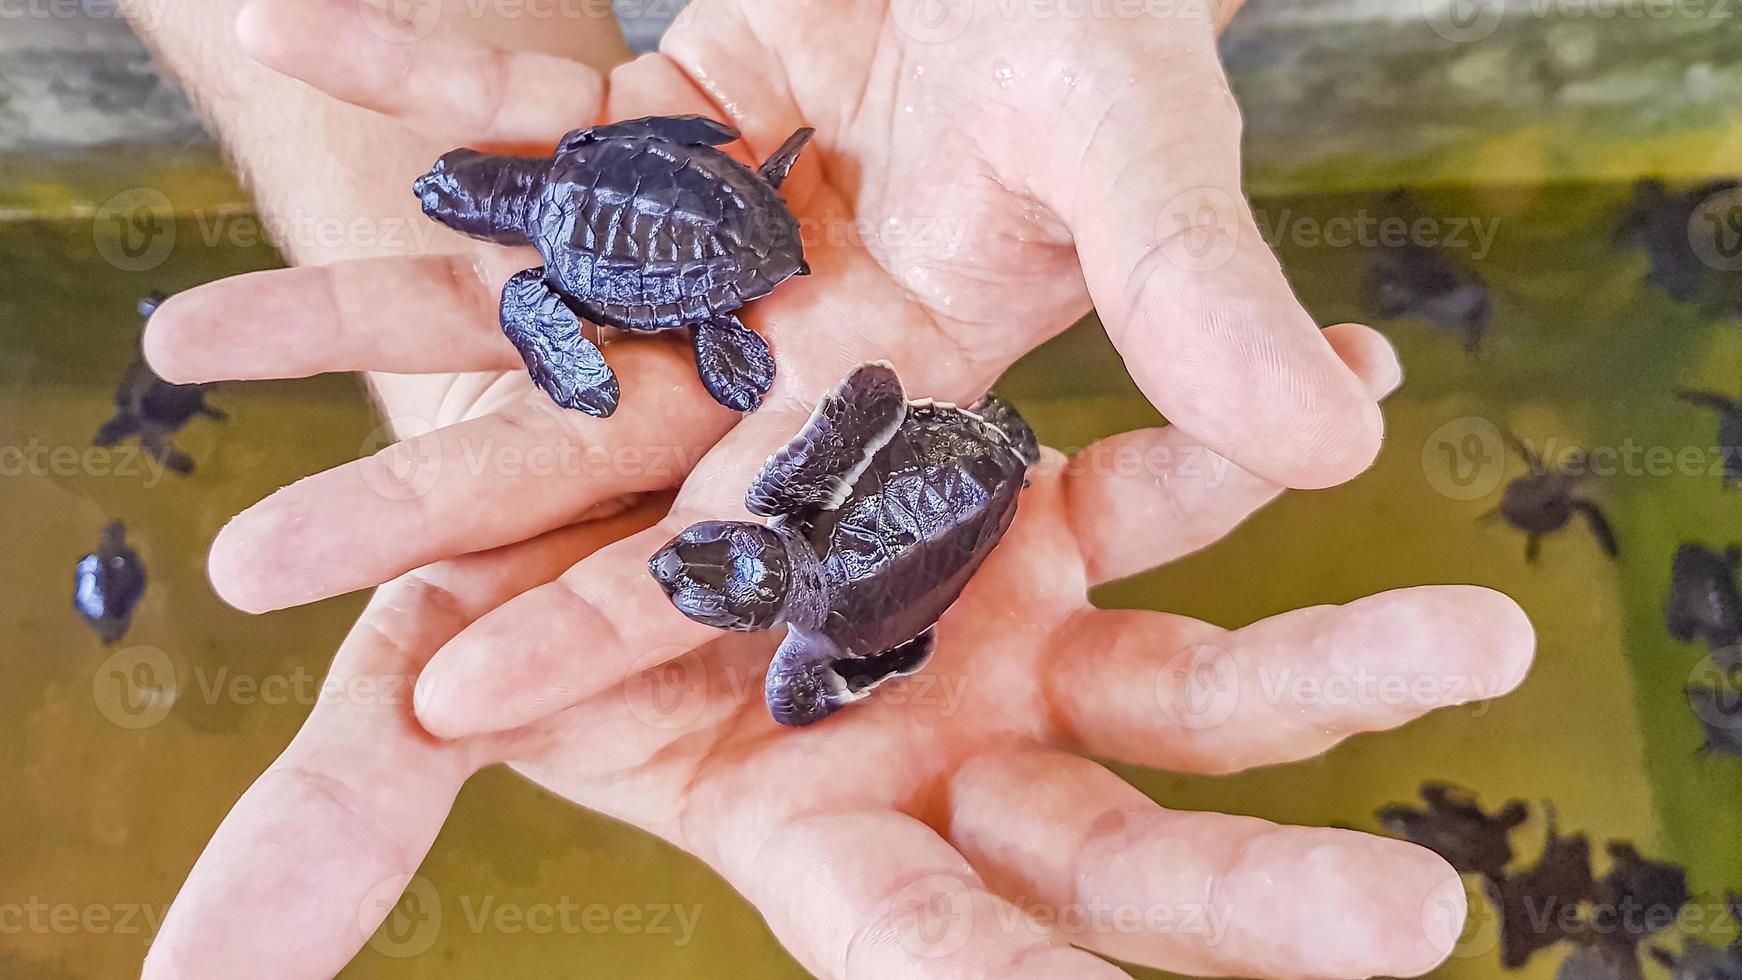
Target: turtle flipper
[(776, 167), (735, 364), (565, 365), (158, 447), (1599, 526), (688, 130), (116, 429), (1709, 399), (810, 679), (818, 467)]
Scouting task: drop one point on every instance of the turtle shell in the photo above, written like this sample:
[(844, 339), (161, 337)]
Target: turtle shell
[(917, 524), (648, 234)]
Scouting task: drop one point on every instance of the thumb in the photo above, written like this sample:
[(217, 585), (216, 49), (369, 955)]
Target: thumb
[(1191, 294)]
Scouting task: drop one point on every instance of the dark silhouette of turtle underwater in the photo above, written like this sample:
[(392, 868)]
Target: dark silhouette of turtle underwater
[(880, 511), (1408, 279), (1545, 499), (1700, 960), (1412, 280), (1729, 429), (643, 225), (1664, 225), (1705, 602), (1719, 711), (152, 409), (1454, 826), (108, 583), (1538, 905)]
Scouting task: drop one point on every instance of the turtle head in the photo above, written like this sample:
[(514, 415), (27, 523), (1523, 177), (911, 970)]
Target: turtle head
[(484, 195), (732, 575)]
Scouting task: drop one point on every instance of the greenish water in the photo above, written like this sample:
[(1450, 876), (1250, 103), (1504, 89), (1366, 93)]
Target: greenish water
[(101, 816)]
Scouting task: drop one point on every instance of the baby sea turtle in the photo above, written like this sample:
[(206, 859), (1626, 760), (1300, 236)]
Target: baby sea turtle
[(1454, 826), (1666, 225), (1602, 960), (1411, 280), (1729, 430), (1639, 897), (880, 512), (1545, 500), (108, 583), (1705, 602), (643, 225), (153, 409), (1539, 906)]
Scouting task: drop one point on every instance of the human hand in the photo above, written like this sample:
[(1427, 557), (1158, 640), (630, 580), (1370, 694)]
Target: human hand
[(936, 829), (1224, 350)]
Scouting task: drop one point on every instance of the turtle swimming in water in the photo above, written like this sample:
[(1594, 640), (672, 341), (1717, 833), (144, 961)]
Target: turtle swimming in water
[(154, 410), (1545, 500), (1454, 826), (1667, 225), (643, 225), (1408, 279), (1729, 429), (880, 512), (108, 583), (1705, 602)]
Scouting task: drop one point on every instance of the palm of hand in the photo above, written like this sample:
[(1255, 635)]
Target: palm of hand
[(929, 791)]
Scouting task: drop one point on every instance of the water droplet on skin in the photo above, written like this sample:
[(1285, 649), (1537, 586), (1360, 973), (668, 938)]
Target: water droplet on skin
[(918, 71), (1002, 71)]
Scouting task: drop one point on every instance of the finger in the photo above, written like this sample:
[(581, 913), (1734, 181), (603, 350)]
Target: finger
[(1206, 894), (1178, 694), (402, 315), (437, 82), (522, 663), (1189, 291), (884, 896), (315, 853), (1145, 498), (468, 487)]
